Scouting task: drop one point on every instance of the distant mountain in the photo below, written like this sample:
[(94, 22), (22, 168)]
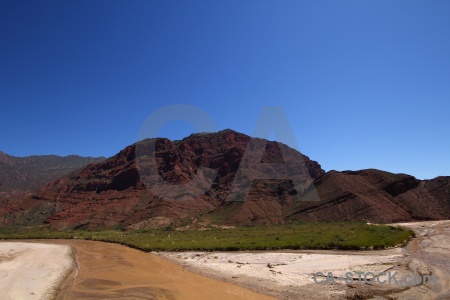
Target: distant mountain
[(24, 174), (120, 192)]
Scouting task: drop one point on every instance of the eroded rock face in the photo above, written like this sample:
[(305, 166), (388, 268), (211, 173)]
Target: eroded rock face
[(122, 192), (116, 191)]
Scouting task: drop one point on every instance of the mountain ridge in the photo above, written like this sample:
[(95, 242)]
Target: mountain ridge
[(115, 193)]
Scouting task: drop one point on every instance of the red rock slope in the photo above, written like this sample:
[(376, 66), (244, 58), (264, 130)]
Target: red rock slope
[(113, 192), (376, 196), (118, 193)]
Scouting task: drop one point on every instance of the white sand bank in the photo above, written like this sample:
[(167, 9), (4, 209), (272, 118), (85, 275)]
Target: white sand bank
[(289, 274), (285, 274), (283, 268), (32, 270)]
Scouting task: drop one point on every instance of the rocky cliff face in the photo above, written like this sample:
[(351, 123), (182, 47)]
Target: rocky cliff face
[(24, 174), (150, 184)]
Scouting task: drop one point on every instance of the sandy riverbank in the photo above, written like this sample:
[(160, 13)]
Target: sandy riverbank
[(289, 274), (32, 270), (285, 274)]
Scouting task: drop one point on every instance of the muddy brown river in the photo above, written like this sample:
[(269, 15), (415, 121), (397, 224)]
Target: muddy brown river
[(111, 271)]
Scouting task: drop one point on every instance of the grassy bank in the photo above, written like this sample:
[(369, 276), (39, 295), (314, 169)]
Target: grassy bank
[(345, 235)]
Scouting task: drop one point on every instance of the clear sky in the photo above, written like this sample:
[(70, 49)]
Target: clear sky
[(364, 84)]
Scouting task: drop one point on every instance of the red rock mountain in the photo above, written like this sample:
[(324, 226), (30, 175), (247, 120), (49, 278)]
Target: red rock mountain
[(24, 174), (376, 196), (121, 192)]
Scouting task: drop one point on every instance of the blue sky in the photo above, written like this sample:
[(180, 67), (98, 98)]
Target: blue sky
[(364, 84)]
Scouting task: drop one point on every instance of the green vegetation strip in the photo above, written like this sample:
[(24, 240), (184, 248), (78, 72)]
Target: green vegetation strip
[(345, 235)]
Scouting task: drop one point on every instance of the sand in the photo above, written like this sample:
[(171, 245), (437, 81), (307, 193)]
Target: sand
[(284, 268), (428, 253), (47, 269), (284, 274), (289, 274), (33, 271), (111, 271)]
